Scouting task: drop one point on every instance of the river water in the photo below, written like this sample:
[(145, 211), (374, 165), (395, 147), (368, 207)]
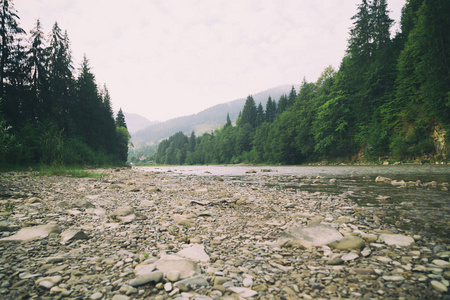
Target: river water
[(423, 208)]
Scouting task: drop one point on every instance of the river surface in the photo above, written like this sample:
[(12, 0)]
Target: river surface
[(423, 208)]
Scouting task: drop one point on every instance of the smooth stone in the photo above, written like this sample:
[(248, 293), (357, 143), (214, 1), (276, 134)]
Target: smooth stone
[(120, 297), (350, 256), (441, 263), (397, 240), (243, 292), (307, 237), (123, 211), (349, 243), (176, 263), (247, 282), (383, 259), (335, 261), (260, 288), (72, 235), (366, 252), (127, 219), (144, 269), (155, 276), (396, 278), (46, 284), (173, 276), (96, 296), (198, 280), (168, 286), (195, 252), (32, 233), (439, 286)]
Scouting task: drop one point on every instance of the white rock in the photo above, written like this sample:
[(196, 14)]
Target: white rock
[(96, 296), (243, 292), (173, 276), (144, 269), (168, 287), (397, 239), (46, 284), (185, 266), (396, 278), (33, 233), (441, 263), (72, 235), (247, 282), (350, 256), (195, 252)]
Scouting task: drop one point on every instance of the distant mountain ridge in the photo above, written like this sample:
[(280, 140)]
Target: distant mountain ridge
[(136, 122), (204, 121)]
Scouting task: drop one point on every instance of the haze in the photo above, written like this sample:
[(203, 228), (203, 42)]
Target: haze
[(165, 59)]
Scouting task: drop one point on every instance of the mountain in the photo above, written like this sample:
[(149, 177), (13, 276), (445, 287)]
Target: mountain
[(136, 122), (204, 121)]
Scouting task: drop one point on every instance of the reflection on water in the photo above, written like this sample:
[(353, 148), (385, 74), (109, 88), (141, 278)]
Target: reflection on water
[(422, 209)]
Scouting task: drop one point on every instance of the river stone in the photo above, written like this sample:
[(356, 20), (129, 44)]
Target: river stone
[(349, 243), (195, 252), (438, 286), (349, 256), (33, 233), (243, 292), (397, 239), (120, 297), (198, 280), (127, 219), (46, 284), (155, 277), (96, 296), (173, 275), (335, 261), (308, 237), (441, 263), (396, 278), (123, 211), (381, 179), (144, 269), (70, 235), (176, 263)]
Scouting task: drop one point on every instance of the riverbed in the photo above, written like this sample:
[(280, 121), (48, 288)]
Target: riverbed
[(239, 232), (422, 206)]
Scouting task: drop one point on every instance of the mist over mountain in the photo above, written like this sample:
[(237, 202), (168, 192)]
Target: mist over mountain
[(136, 122), (204, 121)]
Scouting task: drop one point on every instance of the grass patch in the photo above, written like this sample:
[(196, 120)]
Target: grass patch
[(68, 171)]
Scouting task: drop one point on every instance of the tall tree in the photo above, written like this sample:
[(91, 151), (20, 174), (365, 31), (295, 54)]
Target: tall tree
[(120, 119), (249, 113)]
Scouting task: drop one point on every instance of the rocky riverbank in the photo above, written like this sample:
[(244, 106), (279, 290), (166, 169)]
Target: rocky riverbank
[(138, 235)]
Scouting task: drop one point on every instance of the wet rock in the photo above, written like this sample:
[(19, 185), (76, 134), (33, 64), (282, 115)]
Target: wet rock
[(439, 286), (381, 179), (192, 282)]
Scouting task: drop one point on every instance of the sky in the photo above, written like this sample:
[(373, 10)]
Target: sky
[(169, 58)]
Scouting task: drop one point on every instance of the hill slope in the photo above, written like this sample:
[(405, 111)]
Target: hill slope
[(204, 121)]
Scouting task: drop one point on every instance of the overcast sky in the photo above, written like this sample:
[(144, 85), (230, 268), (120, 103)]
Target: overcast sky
[(170, 58)]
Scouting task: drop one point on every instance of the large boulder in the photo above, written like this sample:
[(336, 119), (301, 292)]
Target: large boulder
[(307, 237)]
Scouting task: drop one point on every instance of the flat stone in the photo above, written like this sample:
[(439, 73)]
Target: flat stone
[(122, 211), (155, 277), (350, 256), (96, 296), (127, 219), (335, 261), (243, 292), (195, 252), (33, 233), (349, 243), (308, 237), (441, 263), (70, 235), (46, 284), (198, 281), (439, 286), (397, 240), (120, 297), (144, 269), (176, 263), (396, 278)]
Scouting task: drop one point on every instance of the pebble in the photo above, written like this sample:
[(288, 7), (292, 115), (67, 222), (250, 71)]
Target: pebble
[(173, 236)]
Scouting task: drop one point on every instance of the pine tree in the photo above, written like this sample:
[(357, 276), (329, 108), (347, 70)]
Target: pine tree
[(120, 119), (249, 113), (271, 110), (228, 123)]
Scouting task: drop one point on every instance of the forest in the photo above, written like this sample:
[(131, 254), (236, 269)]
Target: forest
[(389, 99), (51, 113)]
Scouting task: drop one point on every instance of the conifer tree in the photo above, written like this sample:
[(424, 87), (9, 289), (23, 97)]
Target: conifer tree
[(120, 119)]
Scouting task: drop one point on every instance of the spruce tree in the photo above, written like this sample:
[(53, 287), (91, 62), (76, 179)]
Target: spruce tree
[(120, 119)]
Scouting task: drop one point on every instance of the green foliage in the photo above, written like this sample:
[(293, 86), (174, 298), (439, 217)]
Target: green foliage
[(386, 99), (49, 117)]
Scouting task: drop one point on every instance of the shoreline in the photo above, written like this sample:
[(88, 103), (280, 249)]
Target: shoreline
[(131, 222)]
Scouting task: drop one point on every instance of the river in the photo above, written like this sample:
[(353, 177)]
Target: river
[(423, 208)]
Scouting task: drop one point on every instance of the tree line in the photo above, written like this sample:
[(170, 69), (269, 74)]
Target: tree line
[(51, 113), (390, 97)]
